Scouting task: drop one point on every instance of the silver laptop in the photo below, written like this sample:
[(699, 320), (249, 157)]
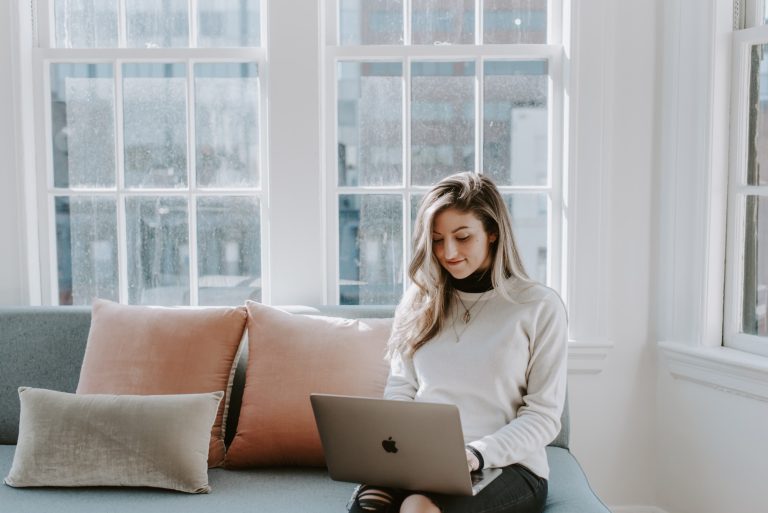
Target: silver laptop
[(401, 444)]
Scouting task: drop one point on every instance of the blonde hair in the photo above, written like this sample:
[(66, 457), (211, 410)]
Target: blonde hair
[(424, 307)]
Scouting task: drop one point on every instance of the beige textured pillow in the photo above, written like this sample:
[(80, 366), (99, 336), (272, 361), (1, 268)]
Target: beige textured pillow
[(291, 356), (146, 350), (108, 440)]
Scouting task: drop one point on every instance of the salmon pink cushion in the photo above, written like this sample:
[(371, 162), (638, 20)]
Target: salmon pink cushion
[(289, 357), (146, 350)]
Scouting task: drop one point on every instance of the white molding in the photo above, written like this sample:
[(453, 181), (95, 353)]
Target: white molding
[(295, 192), (693, 157), (711, 323), (23, 112), (587, 357), (589, 70), (722, 368)]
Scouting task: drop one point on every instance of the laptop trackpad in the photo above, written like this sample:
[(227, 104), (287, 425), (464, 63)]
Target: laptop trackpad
[(482, 478)]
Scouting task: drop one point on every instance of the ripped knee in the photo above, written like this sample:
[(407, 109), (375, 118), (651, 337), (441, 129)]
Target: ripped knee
[(374, 499), (418, 504)]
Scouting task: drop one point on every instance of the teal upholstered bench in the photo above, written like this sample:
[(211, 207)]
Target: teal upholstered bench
[(43, 347)]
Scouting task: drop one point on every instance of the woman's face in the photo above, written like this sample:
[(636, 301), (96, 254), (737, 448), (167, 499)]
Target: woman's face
[(460, 242)]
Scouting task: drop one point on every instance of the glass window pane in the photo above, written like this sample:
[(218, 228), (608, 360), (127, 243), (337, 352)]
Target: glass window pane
[(158, 250), (227, 124), (85, 23), (370, 123), (228, 23), (371, 22), (155, 121), (513, 21), (757, 158), (515, 122), (154, 24), (755, 309), (83, 125), (529, 226), (370, 249), (442, 120), (228, 250), (86, 248), (443, 21)]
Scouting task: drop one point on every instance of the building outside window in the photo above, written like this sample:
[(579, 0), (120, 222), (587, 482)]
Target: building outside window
[(153, 149), (153, 162), (423, 89)]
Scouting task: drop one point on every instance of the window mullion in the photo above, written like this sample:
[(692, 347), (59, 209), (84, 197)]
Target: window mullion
[(43, 180), (122, 25), (479, 99), (556, 258), (192, 185), (479, 22), (45, 11), (407, 122), (407, 235), (263, 159), (193, 28), (445, 52), (50, 245), (407, 23), (751, 190), (330, 209), (122, 227)]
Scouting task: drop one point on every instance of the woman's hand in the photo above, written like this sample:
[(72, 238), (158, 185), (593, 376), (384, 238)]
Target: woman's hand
[(472, 462)]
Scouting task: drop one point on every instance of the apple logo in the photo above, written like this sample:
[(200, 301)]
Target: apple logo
[(389, 445)]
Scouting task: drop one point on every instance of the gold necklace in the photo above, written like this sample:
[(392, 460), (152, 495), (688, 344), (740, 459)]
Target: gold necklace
[(468, 311), (467, 317)]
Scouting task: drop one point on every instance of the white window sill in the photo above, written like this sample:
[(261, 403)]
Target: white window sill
[(722, 368), (587, 357)]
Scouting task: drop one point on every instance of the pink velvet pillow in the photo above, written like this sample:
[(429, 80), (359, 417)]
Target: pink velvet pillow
[(146, 350), (291, 356)]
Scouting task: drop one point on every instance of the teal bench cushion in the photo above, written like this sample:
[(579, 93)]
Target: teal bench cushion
[(283, 490)]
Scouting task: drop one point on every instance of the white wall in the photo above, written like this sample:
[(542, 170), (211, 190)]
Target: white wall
[(296, 252), (11, 268), (712, 449), (614, 411)]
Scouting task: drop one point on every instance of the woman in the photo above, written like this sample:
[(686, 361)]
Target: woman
[(473, 330)]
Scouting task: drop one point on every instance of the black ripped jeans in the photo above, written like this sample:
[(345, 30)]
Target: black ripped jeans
[(516, 490)]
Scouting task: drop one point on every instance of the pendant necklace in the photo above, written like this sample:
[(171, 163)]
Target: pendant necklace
[(467, 315)]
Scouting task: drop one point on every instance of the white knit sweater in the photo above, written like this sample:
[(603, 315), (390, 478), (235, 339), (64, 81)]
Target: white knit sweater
[(506, 373)]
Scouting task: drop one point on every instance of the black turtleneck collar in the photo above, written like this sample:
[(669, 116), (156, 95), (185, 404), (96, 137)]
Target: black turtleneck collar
[(478, 281)]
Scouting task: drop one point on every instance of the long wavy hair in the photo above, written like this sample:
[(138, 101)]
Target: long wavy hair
[(423, 310)]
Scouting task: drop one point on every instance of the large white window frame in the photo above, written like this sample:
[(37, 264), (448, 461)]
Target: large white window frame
[(45, 53), (296, 257), (738, 190), (552, 52), (695, 158)]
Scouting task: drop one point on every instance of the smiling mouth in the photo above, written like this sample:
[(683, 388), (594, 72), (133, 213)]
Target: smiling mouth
[(453, 262)]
